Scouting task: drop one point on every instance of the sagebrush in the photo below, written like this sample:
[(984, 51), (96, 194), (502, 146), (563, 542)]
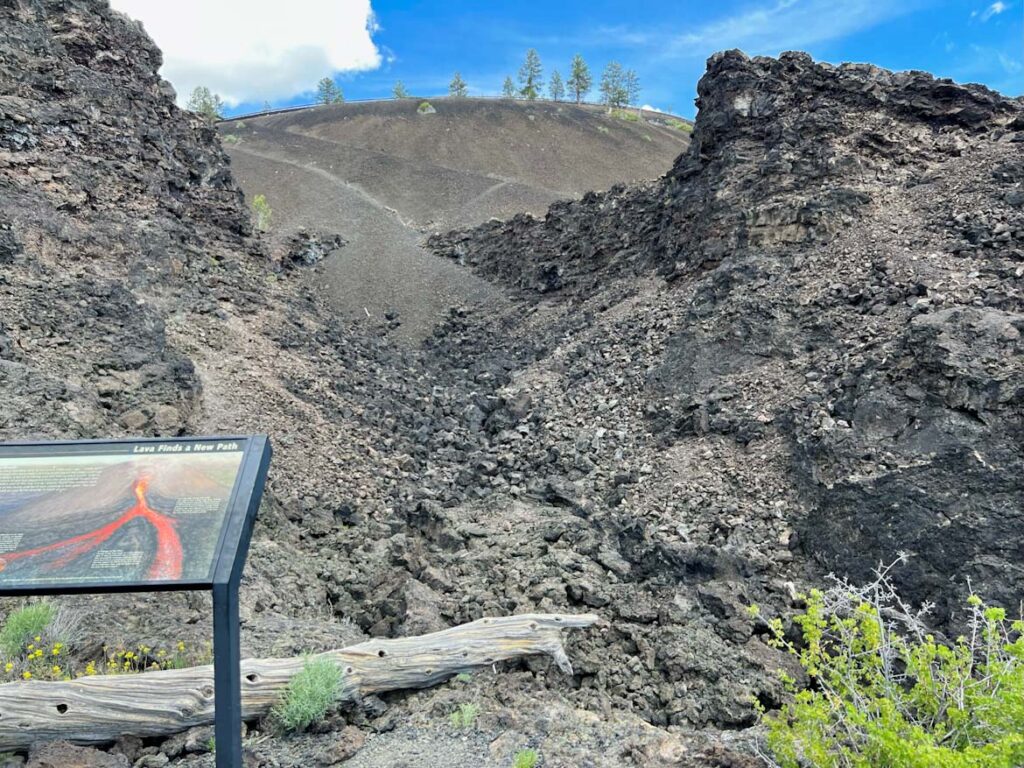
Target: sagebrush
[(309, 697)]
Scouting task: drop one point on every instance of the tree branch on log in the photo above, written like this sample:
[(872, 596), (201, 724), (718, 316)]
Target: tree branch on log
[(94, 710)]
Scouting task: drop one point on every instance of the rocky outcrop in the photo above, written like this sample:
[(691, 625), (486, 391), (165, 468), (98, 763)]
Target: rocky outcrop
[(787, 151), (114, 208), (924, 455), (844, 246)]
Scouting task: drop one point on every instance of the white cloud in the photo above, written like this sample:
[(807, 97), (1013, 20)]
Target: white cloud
[(256, 50), (786, 25), (994, 10), (1010, 65)]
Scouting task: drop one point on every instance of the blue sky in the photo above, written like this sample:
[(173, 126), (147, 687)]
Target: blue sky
[(667, 42)]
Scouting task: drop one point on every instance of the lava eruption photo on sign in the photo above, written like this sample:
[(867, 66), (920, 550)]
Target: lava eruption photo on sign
[(133, 514)]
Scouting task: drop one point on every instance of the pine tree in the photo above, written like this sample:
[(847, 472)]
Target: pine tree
[(457, 87), (631, 86), (530, 75), (613, 91), (328, 92), (508, 90), (555, 87), (266, 106), (216, 110), (205, 104), (580, 81), (399, 91)]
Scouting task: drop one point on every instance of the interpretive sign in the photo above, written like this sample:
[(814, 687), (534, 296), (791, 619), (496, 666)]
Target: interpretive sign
[(138, 515)]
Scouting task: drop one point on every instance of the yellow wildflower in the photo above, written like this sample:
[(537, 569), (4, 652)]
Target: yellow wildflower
[(27, 675)]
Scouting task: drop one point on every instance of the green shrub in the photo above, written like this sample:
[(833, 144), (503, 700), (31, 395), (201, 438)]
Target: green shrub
[(885, 692), (41, 642), (426, 108), (24, 624), (602, 128), (626, 114), (465, 716), (230, 138), (310, 695), (525, 758), (262, 211), (681, 125)]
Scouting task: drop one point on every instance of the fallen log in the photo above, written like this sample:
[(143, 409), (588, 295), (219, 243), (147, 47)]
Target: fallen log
[(94, 710)]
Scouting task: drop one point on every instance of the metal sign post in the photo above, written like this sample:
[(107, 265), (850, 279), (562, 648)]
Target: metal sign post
[(227, 656), (227, 677), (146, 515)]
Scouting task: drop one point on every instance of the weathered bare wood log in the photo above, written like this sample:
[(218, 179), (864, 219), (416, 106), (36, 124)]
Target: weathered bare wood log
[(93, 710)]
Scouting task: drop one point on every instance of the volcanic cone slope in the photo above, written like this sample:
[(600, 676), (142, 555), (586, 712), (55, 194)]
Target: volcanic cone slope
[(381, 174)]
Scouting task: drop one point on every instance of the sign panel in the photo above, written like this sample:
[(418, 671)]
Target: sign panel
[(118, 515)]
